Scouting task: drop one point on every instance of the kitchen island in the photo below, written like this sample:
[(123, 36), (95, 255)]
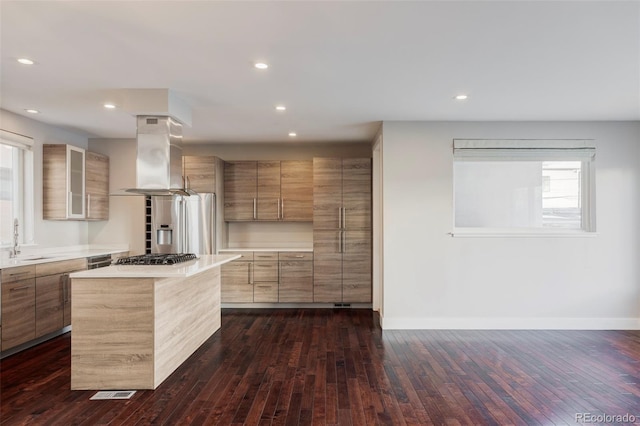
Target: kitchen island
[(133, 325)]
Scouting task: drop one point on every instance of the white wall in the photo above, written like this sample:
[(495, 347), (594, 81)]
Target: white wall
[(47, 233), (432, 280), (126, 212)]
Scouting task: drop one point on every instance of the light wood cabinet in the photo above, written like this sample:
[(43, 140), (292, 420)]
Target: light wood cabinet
[(342, 243), (265, 280), (97, 186), (268, 190), (240, 190), (296, 278), (36, 300), (296, 190), (18, 306), (75, 184), (268, 277), (49, 296), (236, 284), (200, 172)]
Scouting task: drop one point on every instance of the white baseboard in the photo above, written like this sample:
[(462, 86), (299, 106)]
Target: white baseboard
[(388, 323)]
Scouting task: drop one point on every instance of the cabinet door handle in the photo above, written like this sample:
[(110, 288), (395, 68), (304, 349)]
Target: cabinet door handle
[(254, 208), (70, 204), (88, 205), (300, 256), (339, 241), (282, 207), (344, 241), (278, 203), (17, 274), (344, 217), (22, 287), (339, 217)]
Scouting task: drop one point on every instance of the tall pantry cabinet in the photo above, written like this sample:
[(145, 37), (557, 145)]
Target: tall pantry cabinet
[(342, 241)]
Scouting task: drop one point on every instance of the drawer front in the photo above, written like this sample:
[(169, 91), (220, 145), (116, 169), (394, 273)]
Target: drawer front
[(18, 273), (245, 256), (265, 292), (296, 255), (265, 271), (51, 268), (265, 255)]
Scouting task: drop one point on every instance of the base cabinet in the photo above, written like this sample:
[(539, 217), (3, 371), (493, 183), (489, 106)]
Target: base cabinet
[(268, 277), (236, 286), (18, 312), (36, 300)]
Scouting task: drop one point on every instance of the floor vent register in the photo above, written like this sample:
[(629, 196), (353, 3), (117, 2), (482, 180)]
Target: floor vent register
[(112, 395)]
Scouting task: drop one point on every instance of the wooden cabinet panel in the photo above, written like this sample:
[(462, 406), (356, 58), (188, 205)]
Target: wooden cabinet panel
[(356, 267), (296, 194), (51, 268), (327, 193), (265, 255), (268, 190), (342, 229), (97, 186), (265, 292), (296, 282), (236, 282), (265, 279), (18, 312), (295, 255), (200, 173), (265, 271), (54, 181), (49, 304), (327, 266), (16, 273), (356, 193), (240, 186)]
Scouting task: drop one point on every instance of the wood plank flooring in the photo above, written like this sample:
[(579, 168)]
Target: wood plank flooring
[(325, 367)]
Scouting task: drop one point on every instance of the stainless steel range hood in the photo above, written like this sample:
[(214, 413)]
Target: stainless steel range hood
[(159, 157)]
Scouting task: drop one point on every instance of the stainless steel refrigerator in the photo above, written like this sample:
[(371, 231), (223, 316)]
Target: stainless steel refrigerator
[(182, 224)]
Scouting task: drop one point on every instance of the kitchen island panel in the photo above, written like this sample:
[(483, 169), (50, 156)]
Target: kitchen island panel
[(113, 334), (186, 315)]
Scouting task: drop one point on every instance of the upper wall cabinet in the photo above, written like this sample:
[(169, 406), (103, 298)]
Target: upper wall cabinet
[(268, 191), (97, 186), (200, 173), (75, 185)]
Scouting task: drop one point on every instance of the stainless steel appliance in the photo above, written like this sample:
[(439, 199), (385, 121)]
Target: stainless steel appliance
[(101, 261), (159, 157), (156, 259), (183, 224)]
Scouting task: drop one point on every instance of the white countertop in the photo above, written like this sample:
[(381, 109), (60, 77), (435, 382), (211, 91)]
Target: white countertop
[(185, 269), (301, 249), (34, 257)]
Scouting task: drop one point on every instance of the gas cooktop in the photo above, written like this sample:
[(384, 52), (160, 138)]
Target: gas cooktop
[(156, 259)]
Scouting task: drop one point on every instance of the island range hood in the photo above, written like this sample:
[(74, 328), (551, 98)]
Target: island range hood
[(159, 157)]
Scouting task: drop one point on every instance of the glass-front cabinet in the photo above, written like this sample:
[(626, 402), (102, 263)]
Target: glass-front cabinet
[(75, 182)]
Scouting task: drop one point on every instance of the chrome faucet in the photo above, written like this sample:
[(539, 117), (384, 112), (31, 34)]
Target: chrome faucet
[(15, 251)]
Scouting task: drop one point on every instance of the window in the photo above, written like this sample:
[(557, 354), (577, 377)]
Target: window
[(16, 187), (530, 186)]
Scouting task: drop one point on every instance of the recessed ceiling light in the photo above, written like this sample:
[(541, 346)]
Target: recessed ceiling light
[(293, 134), (25, 61), (461, 97), (32, 111), (109, 106), (261, 65), (281, 107)]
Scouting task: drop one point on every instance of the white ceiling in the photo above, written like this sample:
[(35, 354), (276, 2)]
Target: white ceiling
[(339, 67)]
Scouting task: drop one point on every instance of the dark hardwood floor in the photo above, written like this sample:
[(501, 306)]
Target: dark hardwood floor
[(314, 366)]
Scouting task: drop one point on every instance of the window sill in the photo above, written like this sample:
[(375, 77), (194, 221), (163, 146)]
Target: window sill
[(497, 233)]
